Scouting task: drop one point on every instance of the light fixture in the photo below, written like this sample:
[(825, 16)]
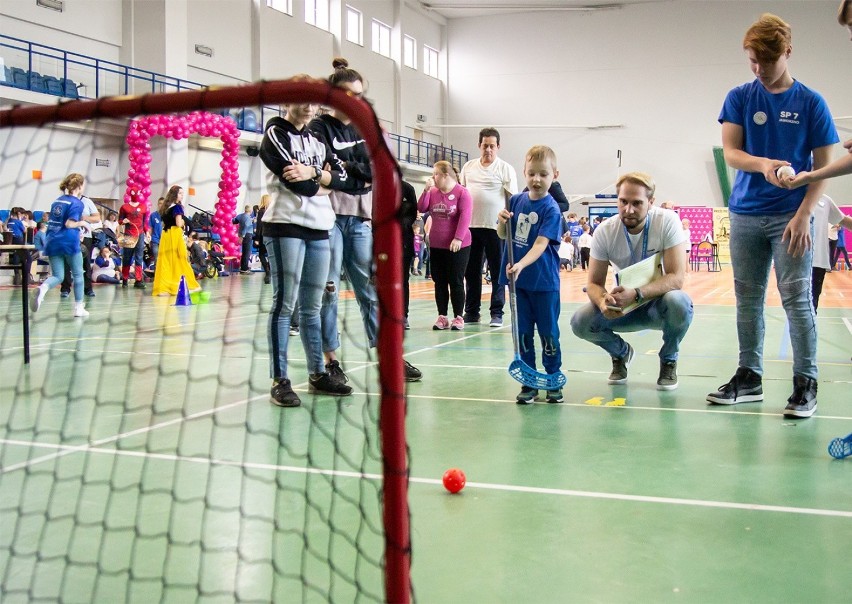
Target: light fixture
[(517, 6), (203, 50), (57, 5)]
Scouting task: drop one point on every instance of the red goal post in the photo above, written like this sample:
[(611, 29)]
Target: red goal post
[(387, 250)]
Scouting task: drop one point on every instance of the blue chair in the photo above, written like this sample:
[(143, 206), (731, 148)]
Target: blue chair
[(53, 86), (36, 81), (7, 76), (19, 78), (248, 120), (70, 88)]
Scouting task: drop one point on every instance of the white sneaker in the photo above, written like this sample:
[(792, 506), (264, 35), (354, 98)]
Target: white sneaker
[(80, 310), (35, 301)]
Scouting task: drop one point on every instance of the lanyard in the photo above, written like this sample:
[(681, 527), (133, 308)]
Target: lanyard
[(644, 242)]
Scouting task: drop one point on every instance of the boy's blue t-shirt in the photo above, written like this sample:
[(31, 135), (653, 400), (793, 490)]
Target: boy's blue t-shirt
[(16, 226), (786, 126), (62, 241), (530, 220), (156, 224)]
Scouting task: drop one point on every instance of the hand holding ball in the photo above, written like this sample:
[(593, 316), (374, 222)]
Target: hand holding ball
[(785, 172), (454, 480)]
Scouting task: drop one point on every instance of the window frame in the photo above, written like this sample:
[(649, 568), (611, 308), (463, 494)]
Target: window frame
[(350, 12), (430, 56), (276, 5), (312, 14), (377, 42), (409, 59)]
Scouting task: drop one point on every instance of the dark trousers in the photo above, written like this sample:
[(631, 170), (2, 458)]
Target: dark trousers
[(837, 251), (263, 257), (483, 241), (585, 252), (86, 251), (448, 274), (246, 253), (832, 252), (817, 277)]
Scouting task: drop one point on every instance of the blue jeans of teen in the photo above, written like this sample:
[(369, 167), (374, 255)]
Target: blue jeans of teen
[(298, 270), (755, 245), (57, 273), (351, 242), (671, 313)]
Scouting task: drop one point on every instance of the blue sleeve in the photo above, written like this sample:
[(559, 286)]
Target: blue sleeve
[(75, 211), (732, 110), (178, 209), (551, 225), (822, 131)]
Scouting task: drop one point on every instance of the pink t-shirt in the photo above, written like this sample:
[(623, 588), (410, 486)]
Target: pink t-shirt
[(450, 215)]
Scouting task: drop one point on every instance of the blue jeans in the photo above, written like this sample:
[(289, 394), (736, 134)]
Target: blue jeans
[(298, 269), (351, 242), (57, 273), (755, 245), (671, 313)]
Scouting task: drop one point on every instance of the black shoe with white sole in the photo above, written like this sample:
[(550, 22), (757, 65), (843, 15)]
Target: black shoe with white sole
[(745, 387), (802, 403), (620, 366)]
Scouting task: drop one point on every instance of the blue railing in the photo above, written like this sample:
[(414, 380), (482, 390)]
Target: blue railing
[(68, 74)]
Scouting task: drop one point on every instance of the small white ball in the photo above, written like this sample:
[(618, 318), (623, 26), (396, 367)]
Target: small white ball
[(785, 172)]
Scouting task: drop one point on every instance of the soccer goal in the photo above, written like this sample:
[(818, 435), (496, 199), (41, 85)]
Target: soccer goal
[(140, 457)]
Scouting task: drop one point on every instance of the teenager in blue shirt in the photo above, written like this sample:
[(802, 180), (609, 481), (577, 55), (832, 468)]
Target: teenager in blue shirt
[(536, 224), (63, 242), (771, 122)]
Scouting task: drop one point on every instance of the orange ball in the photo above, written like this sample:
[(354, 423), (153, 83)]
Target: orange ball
[(454, 480)]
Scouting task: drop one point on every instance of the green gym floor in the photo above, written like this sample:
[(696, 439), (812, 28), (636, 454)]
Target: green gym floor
[(141, 461)]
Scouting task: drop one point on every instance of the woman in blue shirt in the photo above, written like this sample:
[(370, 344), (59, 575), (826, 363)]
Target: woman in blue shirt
[(62, 244)]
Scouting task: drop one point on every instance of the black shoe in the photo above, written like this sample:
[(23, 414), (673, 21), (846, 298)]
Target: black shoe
[(802, 403), (335, 372), (267, 280), (471, 318), (64, 294), (139, 285), (619, 368), (90, 294), (668, 375), (412, 373), (554, 396), (323, 383), (245, 272), (526, 396), (406, 326), (282, 394), (124, 283), (745, 387)]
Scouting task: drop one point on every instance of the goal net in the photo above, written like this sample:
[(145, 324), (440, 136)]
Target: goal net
[(140, 457)]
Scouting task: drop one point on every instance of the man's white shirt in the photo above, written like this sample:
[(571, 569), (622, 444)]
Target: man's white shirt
[(487, 186), (610, 241)]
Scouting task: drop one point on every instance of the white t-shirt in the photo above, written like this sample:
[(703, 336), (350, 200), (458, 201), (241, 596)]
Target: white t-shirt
[(486, 185), (585, 240), (566, 250), (825, 213), (610, 243)]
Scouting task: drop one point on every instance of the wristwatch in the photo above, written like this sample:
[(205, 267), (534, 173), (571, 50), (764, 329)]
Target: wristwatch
[(639, 297), (317, 173)]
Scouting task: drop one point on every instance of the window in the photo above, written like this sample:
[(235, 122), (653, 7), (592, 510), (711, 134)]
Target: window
[(409, 52), (354, 26), (430, 61), (284, 6), (316, 13), (381, 38)]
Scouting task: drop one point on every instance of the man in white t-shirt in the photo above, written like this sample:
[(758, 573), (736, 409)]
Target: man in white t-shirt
[(639, 231), (491, 181), (826, 215)]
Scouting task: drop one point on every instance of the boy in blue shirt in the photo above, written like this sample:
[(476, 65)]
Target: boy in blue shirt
[(771, 122), (536, 224)]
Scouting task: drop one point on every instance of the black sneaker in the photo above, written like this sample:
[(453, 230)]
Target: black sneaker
[(139, 285), (335, 371), (323, 383), (802, 403), (90, 294), (282, 394), (554, 396), (471, 318), (124, 283), (745, 387), (412, 373), (526, 396), (619, 368), (668, 375)]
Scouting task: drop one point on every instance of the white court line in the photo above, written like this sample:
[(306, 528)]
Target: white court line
[(679, 501), (848, 324)]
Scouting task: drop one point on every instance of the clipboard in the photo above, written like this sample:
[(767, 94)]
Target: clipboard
[(639, 275)]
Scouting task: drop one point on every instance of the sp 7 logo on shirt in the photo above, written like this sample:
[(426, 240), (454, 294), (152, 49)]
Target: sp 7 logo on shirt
[(789, 117), (522, 231)]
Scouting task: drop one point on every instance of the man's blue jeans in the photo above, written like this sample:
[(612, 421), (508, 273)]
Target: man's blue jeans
[(755, 245), (671, 313), (299, 270), (351, 242)]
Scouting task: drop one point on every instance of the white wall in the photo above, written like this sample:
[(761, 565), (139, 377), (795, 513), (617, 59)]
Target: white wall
[(661, 69)]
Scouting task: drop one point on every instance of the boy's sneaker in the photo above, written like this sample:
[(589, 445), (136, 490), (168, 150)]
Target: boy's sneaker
[(555, 396), (35, 301), (124, 283), (282, 394), (668, 375), (412, 373), (294, 330), (80, 310), (471, 318), (745, 387), (139, 285), (441, 323), (619, 368), (526, 396), (335, 372), (64, 294), (496, 322), (802, 403), (457, 324), (323, 383), (406, 325), (90, 294)]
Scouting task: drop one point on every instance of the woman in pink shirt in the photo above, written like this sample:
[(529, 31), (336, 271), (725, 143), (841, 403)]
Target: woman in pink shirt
[(449, 204)]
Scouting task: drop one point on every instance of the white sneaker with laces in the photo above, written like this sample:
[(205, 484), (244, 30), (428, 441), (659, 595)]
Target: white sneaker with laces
[(80, 310), (35, 301)]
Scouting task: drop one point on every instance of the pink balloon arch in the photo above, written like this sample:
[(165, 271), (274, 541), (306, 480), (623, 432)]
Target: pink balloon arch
[(179, 127)]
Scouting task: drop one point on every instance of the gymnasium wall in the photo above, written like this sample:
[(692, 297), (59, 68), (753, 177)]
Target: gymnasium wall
[(662, 69)]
